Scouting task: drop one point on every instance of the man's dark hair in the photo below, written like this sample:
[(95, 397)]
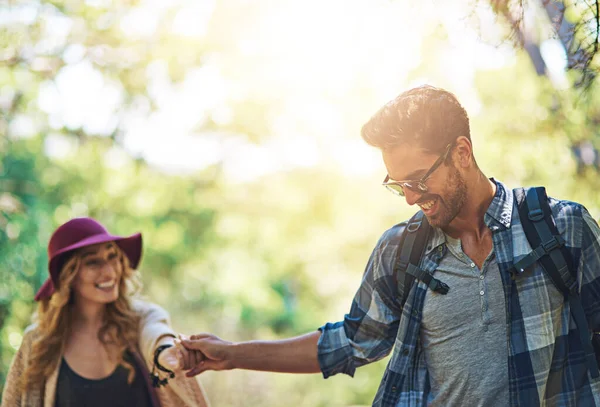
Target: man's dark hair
[(425, 116)]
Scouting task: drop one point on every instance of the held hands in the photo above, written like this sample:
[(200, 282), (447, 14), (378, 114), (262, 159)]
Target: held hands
[(208, 352), (215, 353), (177, 358), (197, 354)]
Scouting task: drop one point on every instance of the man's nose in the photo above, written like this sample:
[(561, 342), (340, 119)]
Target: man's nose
[(411, 196)]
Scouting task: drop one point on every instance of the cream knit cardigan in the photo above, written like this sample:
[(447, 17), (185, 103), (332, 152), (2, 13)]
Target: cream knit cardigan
[(154, 324)]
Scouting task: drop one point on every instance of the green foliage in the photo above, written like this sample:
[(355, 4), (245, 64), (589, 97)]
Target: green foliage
[(22, 219)]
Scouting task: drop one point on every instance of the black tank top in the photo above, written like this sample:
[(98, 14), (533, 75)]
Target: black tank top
[(73, 390)]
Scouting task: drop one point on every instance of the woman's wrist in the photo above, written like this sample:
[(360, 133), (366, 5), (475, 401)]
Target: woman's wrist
[(157, 352), (166, 339), (156, 365)]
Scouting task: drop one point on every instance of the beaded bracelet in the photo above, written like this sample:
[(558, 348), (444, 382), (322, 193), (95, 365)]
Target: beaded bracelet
[(154, 377)]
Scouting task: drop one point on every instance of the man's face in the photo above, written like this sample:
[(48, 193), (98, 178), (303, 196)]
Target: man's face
[(446, 187)]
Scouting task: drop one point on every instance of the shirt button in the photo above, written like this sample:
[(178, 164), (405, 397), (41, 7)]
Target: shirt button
[(481, 277), (405, 352), (472, 264), (394, 388), (481, 292)]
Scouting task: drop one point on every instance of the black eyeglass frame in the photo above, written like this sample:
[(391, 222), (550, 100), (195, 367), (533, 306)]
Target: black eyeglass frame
[(417, 186)]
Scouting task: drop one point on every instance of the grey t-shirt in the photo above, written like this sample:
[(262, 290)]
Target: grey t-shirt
[(464, 333)]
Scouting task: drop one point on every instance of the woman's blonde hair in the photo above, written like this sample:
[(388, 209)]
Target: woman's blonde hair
[(53, 317)]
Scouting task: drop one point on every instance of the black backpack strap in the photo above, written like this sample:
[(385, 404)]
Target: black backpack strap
[(541, 232), (409, 256), (432, 282), (549, 249)]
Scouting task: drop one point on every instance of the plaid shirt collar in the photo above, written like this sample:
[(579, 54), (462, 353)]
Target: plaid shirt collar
[(498, 215)]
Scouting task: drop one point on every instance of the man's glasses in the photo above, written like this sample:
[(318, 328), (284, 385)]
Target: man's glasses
[(418, 186)]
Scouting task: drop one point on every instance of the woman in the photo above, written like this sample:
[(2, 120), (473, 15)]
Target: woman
[(91, 343)]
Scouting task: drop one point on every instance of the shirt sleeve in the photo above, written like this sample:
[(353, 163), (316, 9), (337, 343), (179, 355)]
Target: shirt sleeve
[(367, 332), (589, 270)]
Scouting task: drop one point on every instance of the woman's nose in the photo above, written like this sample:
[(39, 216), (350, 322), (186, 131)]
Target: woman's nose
[(109, 268)]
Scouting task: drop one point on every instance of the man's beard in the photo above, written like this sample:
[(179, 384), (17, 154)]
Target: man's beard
[(452, 201)]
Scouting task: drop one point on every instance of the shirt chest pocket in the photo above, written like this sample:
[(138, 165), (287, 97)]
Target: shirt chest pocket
[(542, 308)]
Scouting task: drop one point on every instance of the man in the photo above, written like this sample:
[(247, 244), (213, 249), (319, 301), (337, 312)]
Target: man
[(490, 340)]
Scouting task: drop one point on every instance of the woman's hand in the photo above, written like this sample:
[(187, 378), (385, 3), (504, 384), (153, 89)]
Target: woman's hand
[(178, 358)]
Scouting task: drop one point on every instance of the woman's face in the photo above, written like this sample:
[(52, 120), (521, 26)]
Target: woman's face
[(99, 274)]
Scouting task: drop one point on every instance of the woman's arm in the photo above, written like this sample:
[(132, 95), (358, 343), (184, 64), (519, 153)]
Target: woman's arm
[(13, 387), (155, 330)]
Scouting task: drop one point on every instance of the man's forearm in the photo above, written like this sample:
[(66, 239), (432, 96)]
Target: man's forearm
[(294, 355)]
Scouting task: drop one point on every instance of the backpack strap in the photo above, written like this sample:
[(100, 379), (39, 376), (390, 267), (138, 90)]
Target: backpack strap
[(411, 250), (541, 232), (549, 249)]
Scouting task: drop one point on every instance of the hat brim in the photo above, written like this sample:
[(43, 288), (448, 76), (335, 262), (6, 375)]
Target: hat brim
[(46, 290), (131, 246)]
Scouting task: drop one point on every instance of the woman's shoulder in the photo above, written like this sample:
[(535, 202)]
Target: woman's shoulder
[(31, 332), (146, 308)]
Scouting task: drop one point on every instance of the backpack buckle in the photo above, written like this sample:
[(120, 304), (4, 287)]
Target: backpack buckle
[(439, 286), (555, 243), (414, 226), (536, 215)]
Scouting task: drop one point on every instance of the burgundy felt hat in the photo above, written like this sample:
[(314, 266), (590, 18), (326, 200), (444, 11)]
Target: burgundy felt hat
[(81, 232)]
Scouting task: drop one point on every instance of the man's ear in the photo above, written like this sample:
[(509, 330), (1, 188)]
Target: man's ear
[(463, 152)]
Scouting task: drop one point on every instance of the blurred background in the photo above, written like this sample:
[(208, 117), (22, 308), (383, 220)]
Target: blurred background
[(228, 133)]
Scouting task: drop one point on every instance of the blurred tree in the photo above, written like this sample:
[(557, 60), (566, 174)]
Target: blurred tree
[(23, 217), (576, 24)]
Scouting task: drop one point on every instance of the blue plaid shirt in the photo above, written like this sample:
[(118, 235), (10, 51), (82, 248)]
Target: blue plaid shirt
[(545, 357)]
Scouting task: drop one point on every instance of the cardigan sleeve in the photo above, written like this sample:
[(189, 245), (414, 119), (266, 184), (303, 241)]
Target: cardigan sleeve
[(154, 325), (12, 391)]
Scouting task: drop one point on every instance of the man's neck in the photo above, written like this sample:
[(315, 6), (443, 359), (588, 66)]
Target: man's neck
[(470, 220)]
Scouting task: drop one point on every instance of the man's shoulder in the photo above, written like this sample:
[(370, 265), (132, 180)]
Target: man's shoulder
[(569, 218), (392, 235), (563, 208), (390, 241)]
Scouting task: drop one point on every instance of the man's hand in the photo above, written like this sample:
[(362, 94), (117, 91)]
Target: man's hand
[(178, 358), (215, 351)]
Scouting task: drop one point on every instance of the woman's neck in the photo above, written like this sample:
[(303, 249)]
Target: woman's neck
[(87, 316)]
